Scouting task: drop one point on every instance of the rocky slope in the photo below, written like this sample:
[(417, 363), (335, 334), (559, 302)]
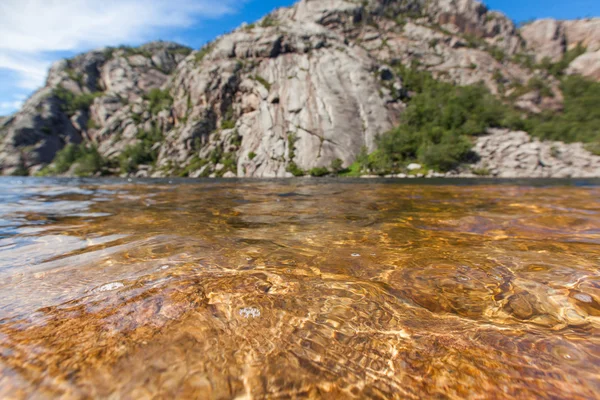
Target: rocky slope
[(303, 87), (551, 39)]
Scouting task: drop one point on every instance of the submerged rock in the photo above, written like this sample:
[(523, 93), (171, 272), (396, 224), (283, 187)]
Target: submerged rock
[(250, 312), (110, 287)]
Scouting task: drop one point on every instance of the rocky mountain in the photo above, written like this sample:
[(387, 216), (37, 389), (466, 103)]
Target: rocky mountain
[(307, 88)]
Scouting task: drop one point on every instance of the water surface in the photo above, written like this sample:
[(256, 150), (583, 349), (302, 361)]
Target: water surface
[(302, 288)]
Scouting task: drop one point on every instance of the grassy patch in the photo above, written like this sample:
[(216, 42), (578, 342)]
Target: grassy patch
[(86, 159), (91, 124), (593, 148), (319, 172), (481, 171), (144, 151), (540, 85), (294, 169), (558, 68), (71, 103), (337, 166), (263, 82), (353, 170), (228, 121), (268, 21), (135, 51), (195, 164), (202, 53), (229, 162), (292, 166), (228, 124), (580, 119), (498, 54), (75, 76), (159, 100), (184, 51)]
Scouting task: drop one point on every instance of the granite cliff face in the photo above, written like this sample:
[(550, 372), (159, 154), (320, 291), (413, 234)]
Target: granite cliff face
[(303, 87), (551, 39)]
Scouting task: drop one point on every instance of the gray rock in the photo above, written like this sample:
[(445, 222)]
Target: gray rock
[(507, 154), (551, 39), (547, 37)]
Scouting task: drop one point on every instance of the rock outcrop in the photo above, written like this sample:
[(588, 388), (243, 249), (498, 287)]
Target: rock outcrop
[(303, 87), (506, 154), (551, 39)]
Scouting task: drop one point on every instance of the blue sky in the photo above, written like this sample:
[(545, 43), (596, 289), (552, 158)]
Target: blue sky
[(33, 33)]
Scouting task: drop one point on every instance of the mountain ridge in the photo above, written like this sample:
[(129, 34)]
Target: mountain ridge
[(304, 88)]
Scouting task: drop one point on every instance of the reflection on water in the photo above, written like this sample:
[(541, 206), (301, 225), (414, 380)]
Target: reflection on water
[(298, 289)]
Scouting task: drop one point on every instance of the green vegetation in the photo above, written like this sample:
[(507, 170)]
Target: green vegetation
[(228, 124), (498, 54), (437, 125), (540, 85), (593, 148), (558, 68), (129, 51), (580, 120), (75, 76), (235, 139), (353, 171), (86, 159), (91, 124), (526, 60), (481, 171), (184, 51), (21, 169), (135, 51), (159, 100), (203, 52), (441, 119), (145, 151), (337, 166), (218, 156), (292, 166), (109, 52), (228, 120), (268, 21), (136, 118), (263, 82), (319, 171), (473, 41), (195, 164), (294, 169), (229, 164), (71, 103), (251, 155)]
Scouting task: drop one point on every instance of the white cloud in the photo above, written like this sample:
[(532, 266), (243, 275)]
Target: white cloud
[(10, 106), (30, 69), (30, 28)]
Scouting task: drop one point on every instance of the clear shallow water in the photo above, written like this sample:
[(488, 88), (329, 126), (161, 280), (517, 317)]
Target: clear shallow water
[(309, 288)]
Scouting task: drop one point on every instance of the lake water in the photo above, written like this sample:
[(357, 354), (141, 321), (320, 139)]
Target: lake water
[(299, 288)]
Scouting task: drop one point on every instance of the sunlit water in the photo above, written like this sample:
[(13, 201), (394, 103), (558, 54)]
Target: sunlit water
[(304, 288)]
